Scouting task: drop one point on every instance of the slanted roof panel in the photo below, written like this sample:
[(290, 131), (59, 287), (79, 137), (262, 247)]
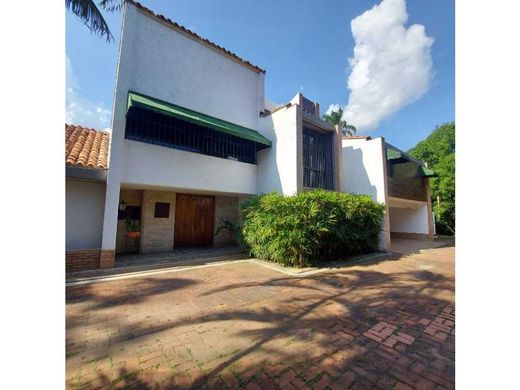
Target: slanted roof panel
[(426, 172), (149, 103), (86, 147), (395, 156)]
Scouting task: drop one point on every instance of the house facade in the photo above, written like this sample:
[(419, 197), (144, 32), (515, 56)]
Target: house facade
[(193, 137), (394, 178)]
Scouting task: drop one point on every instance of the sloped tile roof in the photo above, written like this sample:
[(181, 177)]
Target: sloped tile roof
[(195, 36), (86, 147)]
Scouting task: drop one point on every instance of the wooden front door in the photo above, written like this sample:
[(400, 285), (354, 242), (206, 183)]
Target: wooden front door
[(193, 220)]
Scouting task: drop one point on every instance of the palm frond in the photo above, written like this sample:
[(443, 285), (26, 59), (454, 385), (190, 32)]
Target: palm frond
[(89, 13), (349, 130), (111, 5)]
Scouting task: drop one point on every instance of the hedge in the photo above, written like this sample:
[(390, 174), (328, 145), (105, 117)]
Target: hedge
[(311, 227)]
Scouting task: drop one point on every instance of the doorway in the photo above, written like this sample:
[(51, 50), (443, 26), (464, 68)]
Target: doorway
[(194, 220)]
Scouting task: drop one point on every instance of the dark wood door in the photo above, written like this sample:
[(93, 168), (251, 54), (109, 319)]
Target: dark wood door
[(194, 220)]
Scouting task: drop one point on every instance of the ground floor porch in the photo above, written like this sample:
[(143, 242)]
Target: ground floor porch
[(410, 220), (180, 255), (164, 220)]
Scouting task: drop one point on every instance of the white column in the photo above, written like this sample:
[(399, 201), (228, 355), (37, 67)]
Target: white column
[(116, 158)]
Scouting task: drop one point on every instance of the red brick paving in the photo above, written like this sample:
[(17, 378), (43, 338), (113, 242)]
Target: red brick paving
[(246, 326)]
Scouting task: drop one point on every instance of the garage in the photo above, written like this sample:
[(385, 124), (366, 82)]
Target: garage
[(409, 219)]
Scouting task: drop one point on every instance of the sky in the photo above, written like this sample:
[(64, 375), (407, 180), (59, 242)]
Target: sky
[(392, 67)]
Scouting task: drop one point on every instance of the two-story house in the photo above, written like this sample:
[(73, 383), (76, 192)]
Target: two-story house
[(193, 136)]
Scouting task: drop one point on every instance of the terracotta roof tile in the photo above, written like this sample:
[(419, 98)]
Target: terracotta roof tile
[(86, 147), (177, 26)]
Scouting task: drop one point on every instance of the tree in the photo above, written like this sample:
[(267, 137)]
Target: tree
[(336, 118), (438, 150), (88, 12)]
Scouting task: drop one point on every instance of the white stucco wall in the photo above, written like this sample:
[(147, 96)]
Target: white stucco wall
[(409, 220), (277, 166), (168, 65), (364, 172), (85, 202), (153, 165), (363, 168), (159, 61)]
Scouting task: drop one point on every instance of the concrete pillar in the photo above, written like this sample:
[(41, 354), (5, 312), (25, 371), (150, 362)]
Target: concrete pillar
[(429, 202), (117, 150), (385, 242), (299, 145), (338, 157)]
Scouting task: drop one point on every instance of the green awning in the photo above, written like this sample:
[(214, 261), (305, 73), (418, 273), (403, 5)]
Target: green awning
[(396, 157), (392, 154), (425, 172), (148, 103)]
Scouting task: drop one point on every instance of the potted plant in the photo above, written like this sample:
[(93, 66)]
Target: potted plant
[(132, 228)]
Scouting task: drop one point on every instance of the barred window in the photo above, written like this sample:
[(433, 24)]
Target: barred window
[(152, 127), (318, 157)]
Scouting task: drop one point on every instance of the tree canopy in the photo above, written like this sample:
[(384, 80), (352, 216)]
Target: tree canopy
[(438, 150), (336, 118)]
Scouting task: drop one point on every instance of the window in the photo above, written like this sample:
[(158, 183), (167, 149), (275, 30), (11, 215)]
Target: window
[(162, 210), (318, 157), (158, 129), (132, 212)]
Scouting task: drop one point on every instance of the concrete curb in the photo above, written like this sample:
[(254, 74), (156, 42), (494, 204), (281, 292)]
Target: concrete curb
[(297, 272), (293, 272)]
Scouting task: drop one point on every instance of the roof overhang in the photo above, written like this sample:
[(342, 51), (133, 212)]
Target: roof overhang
[(90, 174), (396, 156), (198, 118), (318, 122)]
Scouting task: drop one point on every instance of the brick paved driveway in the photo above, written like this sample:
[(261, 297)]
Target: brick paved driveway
[(387, 324)]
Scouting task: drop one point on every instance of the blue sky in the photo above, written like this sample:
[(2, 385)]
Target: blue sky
[(303, 45)]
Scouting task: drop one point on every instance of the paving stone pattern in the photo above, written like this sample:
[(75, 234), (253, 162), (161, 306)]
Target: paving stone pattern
[(388, 324)]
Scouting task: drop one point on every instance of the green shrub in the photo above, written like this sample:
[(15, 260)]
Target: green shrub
[(131, 225), (310, 227)]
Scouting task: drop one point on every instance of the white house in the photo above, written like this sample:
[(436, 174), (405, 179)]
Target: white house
[(193, 136), (394, 178)]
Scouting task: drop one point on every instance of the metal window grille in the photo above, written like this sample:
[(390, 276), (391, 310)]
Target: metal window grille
[(154, 128), (317, 157)]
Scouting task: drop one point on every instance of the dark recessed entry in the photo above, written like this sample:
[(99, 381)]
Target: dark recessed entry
[(132, 212), (162, 210)]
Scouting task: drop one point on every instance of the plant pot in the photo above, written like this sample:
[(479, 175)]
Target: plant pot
[(133, 234)]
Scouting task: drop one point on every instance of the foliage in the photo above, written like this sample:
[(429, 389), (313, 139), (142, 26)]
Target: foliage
[(336, 118), (438, 150), (234, 228), (89, 13), (310, 227), (131, 225)]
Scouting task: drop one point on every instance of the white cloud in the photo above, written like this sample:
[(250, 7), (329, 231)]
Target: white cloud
[(391, 67), (79, 109), (333, 107)]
